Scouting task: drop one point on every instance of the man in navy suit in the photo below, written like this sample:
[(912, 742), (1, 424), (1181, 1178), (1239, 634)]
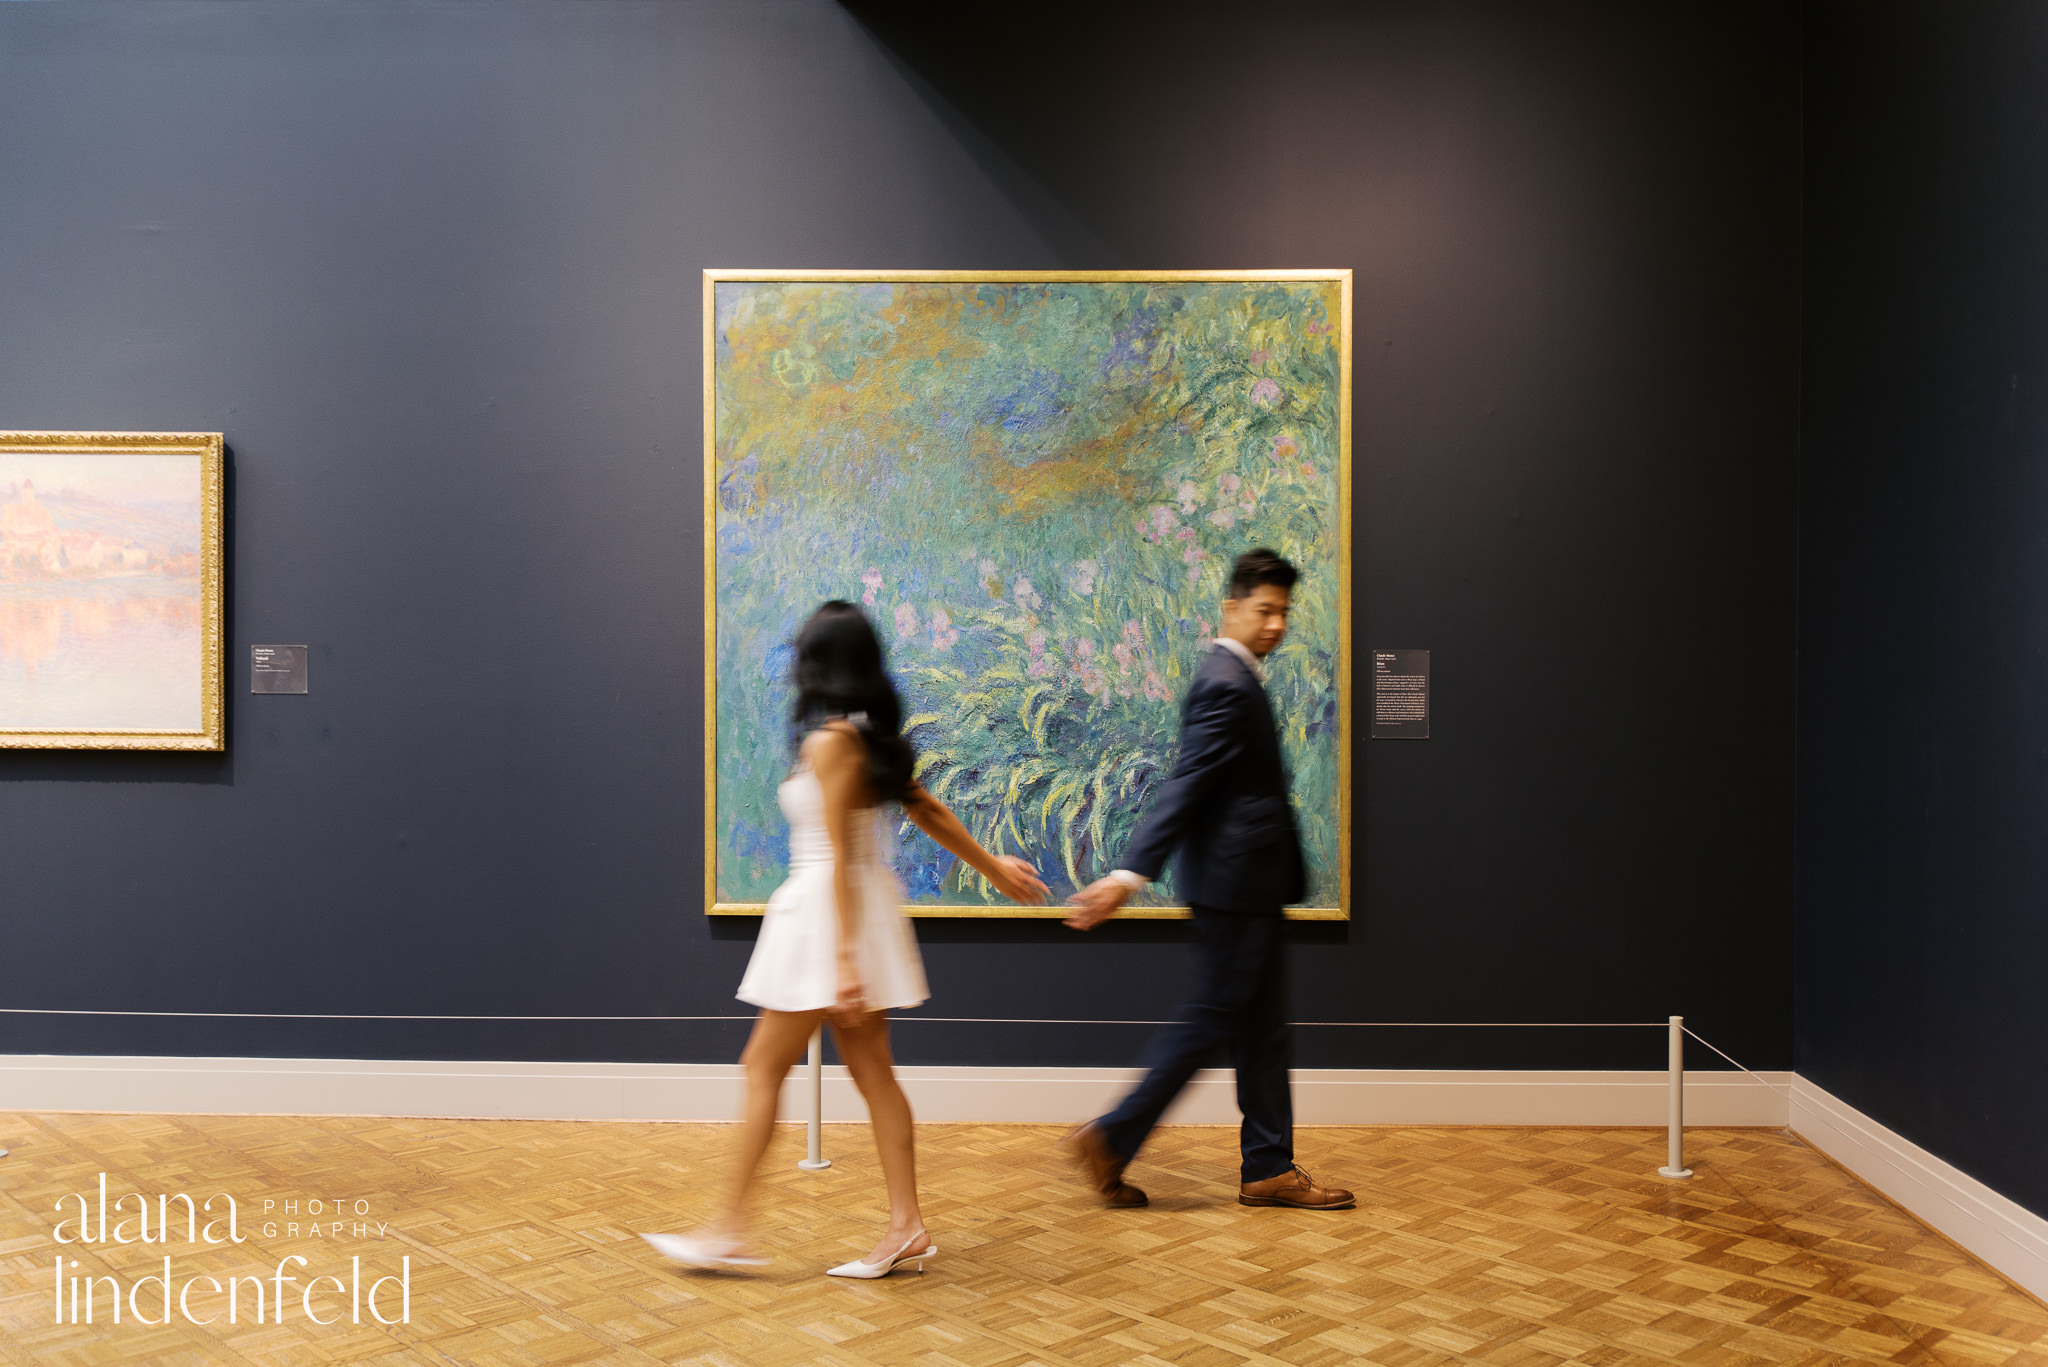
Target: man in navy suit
[(1223, 814)]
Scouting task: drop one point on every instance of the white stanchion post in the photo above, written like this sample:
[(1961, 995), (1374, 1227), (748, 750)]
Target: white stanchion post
[(816, 1159), (1674, 1145)]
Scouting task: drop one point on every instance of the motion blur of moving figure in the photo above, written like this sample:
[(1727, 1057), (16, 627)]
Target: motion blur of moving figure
[(835, 946), (1223, 814)]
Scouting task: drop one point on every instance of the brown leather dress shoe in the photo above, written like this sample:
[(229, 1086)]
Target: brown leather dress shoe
[(1105, 1170), (1297, 1189)]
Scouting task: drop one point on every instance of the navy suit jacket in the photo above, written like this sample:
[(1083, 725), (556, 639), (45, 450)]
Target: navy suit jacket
[(1222, 815)]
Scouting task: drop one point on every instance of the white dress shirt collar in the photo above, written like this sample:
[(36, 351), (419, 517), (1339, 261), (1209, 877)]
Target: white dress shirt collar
[(1243, 652)]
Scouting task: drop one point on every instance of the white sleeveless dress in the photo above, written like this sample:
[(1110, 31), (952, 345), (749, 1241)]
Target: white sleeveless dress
[(796, 961)]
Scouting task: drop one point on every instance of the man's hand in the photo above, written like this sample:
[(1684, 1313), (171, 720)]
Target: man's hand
[(1096, 903)]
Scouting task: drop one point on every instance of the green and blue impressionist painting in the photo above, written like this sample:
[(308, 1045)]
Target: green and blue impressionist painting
[(1035, 490)]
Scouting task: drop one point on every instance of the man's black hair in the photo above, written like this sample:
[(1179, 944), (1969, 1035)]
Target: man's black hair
[(1260, 566)]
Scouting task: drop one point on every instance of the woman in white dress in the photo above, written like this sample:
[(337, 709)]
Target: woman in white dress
[(834, 944)]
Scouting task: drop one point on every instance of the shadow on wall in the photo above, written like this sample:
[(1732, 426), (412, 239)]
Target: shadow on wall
[(1088, 119), (940, 53)]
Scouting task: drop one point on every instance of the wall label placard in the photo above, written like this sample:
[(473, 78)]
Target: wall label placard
[(277, 669), (1400, 694)]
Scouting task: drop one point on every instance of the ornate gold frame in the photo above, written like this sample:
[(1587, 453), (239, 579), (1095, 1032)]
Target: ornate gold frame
[(712, 278), (212, 732)]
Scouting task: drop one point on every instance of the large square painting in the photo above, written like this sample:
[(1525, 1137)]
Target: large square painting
[(110, 590), (1035, 485)]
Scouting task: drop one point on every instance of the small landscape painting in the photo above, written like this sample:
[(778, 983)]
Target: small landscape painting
[(109, 591)]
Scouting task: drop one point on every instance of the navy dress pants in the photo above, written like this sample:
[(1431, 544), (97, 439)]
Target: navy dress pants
[(1239, 1011)]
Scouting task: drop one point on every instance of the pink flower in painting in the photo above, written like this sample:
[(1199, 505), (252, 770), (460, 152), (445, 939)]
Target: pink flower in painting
[(1250, 504), (943, 635), (906, 620), (1202, 628), (1040, 667), (873, 579), (1092, 680), (1265, 391), (1261, 356), (1193, 555), (1308, 471), (1189, 496), (1155, 687), (1122, 653), (1186, 533), (1284, 447), (1083, 650), (1228, 486), (1027, 597), (1159, 522), (1223, 517), (1134, 633)]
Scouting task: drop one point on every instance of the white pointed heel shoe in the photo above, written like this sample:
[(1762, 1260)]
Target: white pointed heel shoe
[(869, 1271), (705, 1255)]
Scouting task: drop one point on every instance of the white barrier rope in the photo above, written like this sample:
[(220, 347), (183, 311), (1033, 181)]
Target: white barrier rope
[(941, 1020), (1751, 1071)]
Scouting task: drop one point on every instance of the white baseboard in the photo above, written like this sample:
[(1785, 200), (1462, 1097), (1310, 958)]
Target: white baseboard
[(686, 1091), (2003, 1233)]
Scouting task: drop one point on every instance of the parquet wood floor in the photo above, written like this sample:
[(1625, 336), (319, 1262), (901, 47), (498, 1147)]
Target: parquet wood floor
[(1526, 1247)]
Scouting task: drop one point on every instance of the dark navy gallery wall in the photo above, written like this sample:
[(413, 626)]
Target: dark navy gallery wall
[(1924, 579), (434, 269)]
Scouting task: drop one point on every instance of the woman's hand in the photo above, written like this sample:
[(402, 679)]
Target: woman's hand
[(1011, 876), (1018, 881), (851, 1003)]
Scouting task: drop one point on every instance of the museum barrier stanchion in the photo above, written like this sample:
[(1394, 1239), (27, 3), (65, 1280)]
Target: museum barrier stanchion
[(815, 1159), (1674, 1144)]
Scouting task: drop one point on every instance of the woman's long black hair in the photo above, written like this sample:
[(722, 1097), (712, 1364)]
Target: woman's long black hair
[(839, 673)]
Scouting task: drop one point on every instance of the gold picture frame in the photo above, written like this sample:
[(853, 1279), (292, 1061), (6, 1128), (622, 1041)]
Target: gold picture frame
[(109, 589), (1338, 908)]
